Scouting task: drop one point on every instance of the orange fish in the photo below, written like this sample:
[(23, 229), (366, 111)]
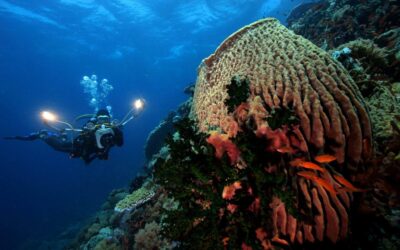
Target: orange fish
[(288, 150), (306, 164), (311, 165), (323, 183), (348, 186), (326, 185), (325, 158), (296, 162), (307, 174)]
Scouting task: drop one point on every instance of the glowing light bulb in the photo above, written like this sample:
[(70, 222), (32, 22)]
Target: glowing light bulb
[(138, 104), (48, 116)]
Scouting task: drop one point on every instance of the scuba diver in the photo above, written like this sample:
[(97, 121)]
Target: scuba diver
[(97, 137), (94, 140)]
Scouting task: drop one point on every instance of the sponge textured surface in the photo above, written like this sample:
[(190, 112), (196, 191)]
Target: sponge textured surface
[(285, 70)]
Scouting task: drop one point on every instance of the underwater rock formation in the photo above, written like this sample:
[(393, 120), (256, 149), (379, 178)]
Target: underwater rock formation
[(331, 23), (156, 138), (376, 71), (100, 232), (374, 66)]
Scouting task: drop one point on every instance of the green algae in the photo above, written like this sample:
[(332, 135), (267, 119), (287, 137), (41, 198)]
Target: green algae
[(238, 92), (135, 199)]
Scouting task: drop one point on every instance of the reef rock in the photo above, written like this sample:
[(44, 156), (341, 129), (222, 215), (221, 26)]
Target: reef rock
[(330, 23)]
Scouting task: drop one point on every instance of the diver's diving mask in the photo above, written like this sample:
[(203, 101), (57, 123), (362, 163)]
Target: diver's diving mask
[(101, 119)]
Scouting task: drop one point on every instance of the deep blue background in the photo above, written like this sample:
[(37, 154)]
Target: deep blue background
[(148, 49)]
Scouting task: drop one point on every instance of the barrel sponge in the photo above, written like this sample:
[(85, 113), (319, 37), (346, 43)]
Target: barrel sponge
[(286, 70)]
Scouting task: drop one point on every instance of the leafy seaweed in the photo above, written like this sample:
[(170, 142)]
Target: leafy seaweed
[(281, 116), (238, 92)]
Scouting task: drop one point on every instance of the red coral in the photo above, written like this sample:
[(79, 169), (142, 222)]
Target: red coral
[(241, 112), (232, 207), (261, 234), (230, 126), (246, 247), (230, 190), (255, 206), (278, 139), (222, 144), (262, 237)]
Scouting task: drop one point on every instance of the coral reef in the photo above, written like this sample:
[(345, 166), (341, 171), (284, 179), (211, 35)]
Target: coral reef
[(285, 70), (155, 140), (375, 69), (266, 116), (135, 199), (374, 65), (150, 238), (331, 23), (228, 205), (101, 231), (298, 11)]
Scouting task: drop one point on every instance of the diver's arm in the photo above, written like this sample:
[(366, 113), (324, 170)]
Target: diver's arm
[(118, 136)]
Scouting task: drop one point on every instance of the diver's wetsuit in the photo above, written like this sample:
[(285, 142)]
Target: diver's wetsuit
[(85, 145), (95, 139), (57, 141)]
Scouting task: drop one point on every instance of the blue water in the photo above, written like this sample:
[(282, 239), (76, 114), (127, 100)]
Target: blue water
[(149, 49)]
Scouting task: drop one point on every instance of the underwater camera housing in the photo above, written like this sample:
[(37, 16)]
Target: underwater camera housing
[(104, 137)]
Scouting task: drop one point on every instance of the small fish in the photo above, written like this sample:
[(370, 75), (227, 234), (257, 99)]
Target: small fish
[(326, 185), (348, 186), (287, 150), (311, 165), (296, 162), (306, 164), (325, 158), (323, 183), (307, 174)]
